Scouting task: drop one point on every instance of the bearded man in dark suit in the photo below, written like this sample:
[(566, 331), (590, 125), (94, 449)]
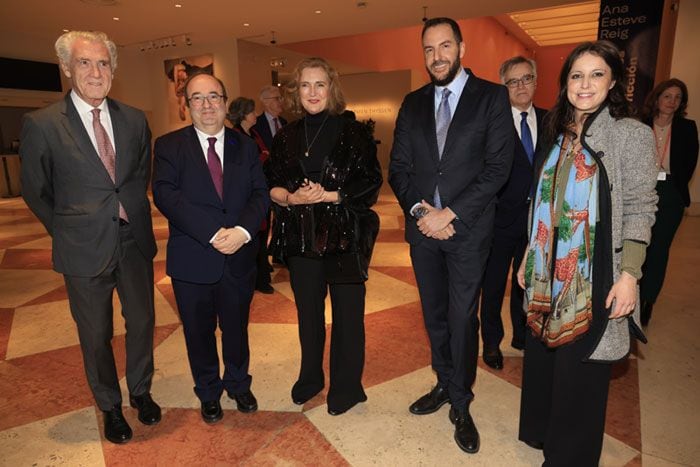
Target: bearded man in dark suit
[(86, 164), (452, 152)]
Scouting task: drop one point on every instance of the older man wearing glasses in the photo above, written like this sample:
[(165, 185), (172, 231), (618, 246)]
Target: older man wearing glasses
[(208, 182), (519, 74), (270, 121)]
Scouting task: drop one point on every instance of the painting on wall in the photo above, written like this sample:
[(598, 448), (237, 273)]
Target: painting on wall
[(177, 71)]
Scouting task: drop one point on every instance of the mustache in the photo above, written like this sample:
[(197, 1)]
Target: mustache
[(439, 63)]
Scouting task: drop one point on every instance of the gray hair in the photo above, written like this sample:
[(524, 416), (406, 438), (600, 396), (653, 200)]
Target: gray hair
[(267, 88), (511, 62), (64, 45)]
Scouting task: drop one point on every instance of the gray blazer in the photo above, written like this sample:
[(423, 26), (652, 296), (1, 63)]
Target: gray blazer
[(627, 151), (68, 188)]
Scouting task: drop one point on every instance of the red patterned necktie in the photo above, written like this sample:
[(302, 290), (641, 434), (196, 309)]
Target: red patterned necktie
[(277, 124), (106, 152), (214, 163)]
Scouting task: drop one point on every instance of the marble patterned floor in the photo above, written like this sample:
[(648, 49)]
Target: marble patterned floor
[(47, 414)]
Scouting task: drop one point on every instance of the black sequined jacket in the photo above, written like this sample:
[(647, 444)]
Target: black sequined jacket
[(352, 169)]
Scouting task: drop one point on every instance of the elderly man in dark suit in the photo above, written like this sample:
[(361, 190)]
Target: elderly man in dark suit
[(519, 74), (270, 122), (453, 147), (85, 169), (209, 184)]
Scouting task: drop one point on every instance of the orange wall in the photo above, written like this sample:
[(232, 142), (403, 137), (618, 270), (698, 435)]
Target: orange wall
[(549, 62), (488, 44)]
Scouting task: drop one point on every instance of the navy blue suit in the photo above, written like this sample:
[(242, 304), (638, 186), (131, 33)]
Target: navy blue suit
[(262, 126), (509, 242), (210, 286)]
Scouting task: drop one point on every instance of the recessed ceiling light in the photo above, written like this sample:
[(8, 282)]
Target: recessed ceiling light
[(246, 24), (178, 5), (65, 30), (116, 18), (318, 12)]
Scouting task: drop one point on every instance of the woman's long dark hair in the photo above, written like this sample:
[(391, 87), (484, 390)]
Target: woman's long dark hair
[(560, 119), (651, 104)]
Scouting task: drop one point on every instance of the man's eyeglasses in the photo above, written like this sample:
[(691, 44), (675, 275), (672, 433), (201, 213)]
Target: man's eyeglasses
[(198, 100), (525, 80)]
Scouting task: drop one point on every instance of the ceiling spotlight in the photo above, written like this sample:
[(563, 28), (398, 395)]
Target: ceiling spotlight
[(425, 14), (178, 5), (361, 4), (65, 30), (188, 41), (273, 41), (318, 12), (116, 18), (246, 24)]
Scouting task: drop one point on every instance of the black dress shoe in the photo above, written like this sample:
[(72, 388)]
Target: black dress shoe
[(341, 410), (149, 411), (493, 358), (117, 430), (267, 289), (430, 402), (466, 434), (539, 445), (645, 312), (517, 345), (246, 402), (211, 411)]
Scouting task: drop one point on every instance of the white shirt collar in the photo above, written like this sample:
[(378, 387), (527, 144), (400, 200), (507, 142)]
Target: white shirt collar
[(204, 137), (83, 107)]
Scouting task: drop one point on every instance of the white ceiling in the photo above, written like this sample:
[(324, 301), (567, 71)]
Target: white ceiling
[(28, 25)]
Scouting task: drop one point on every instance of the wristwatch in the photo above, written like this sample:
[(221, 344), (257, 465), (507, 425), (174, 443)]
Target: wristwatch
[(419, 212)]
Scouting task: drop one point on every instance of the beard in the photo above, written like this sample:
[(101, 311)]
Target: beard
[(451, 73)]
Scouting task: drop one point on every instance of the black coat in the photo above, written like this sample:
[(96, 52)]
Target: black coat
[(352, 169)]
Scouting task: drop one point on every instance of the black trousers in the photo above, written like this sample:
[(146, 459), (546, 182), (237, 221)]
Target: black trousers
[(508, 247), (202, 307), (449, 276), (347, 353), (90, 299), (263, 277), (563, 401), (668, 219)]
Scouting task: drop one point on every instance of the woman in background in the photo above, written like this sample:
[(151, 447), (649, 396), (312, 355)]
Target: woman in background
[(677, 151), (241, 112), (324, 177), (591, 221)]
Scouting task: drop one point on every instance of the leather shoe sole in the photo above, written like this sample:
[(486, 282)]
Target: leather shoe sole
[(539, 445), (431, 402), (211, 411), (149, 411)]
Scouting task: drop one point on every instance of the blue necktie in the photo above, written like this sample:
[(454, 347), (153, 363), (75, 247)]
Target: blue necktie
[(526, 137), (442, 123)]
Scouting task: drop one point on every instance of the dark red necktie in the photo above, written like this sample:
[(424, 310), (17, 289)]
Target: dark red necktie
[(106, 152), (214, 163), (277, 124)]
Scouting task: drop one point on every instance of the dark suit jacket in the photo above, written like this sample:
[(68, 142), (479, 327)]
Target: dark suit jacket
[(68, 188), (476, 160), (184, 192), (513, 198), (262, 126)]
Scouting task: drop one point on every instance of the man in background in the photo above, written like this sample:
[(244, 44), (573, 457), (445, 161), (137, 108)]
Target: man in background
[(519, 74)]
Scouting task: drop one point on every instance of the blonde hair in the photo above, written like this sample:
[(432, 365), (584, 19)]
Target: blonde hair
[(336, 100), (64, 45)]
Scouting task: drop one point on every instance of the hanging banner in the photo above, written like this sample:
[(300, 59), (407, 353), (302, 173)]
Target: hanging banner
[(634, 27)]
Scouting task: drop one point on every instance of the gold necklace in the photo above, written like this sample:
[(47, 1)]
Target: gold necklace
[(306, 135)]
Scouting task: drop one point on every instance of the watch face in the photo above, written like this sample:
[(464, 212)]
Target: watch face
[(419, 212)]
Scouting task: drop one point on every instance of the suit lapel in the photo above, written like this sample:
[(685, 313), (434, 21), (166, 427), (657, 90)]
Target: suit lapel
[(119, 129), (429, 122), (75, 128), (464, 111), (231, 159)]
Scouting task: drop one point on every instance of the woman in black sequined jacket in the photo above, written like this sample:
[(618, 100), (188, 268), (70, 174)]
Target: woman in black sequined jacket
[(324, 177)]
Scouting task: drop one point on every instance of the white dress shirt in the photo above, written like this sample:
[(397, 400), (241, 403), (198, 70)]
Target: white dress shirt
[(85, 111)]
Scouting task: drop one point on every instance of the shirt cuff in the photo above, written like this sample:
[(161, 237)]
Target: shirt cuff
[(633, 256), (247, 235)]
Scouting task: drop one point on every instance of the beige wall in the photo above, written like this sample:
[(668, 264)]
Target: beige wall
[(377, 96), (686, 67)]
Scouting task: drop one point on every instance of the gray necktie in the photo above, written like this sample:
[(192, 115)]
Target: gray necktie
[(442, 123)]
